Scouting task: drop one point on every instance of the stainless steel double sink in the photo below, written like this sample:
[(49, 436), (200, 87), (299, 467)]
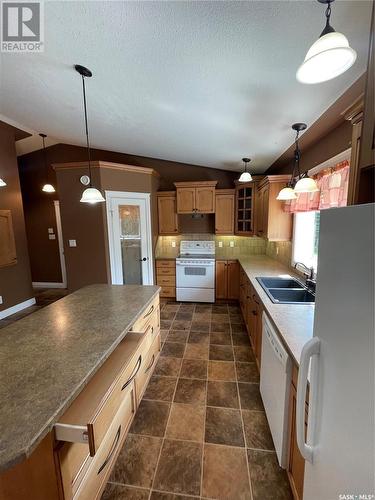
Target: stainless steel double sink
[(286, 290)]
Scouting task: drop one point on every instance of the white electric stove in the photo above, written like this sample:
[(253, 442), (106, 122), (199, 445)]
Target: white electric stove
[(195, 272)]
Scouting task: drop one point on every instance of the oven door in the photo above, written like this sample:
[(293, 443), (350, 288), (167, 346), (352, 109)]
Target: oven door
[(195, 275)]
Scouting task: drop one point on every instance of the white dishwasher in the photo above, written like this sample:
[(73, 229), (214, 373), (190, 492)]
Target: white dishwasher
[(275, 377)]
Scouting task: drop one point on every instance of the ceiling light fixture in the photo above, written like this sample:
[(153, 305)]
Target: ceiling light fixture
[(2, 183), (47, 188), (328, 57), (91, 194), (245, 176), (304, 184)]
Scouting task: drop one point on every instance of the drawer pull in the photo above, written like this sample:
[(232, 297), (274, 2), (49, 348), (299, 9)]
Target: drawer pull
[(150, 365), (111, 451), (149, 312), (134, 373)]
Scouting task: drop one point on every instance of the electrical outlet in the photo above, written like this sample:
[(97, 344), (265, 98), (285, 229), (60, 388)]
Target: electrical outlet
[(173, 244), (52, 236), (1, 299), (50, 230), (220, 244), (72, 243), (277, 250), (231, 244)]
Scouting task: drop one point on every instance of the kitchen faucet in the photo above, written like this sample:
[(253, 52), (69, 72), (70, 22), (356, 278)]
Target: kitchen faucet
[(309, 272)]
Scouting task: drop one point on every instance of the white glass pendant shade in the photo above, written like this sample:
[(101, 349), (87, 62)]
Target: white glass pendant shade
[(2, 183), (245, 177), (48, 188), (92, 195), (306, 185), (286, 193), (328, 57)]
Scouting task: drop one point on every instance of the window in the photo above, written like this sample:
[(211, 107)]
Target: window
[(306, 238)]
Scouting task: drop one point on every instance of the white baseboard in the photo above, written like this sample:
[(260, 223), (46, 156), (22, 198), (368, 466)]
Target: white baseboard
[(47, 284), (18, 307)]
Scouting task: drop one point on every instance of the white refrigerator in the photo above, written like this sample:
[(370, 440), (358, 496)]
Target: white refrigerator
[(339, 447)]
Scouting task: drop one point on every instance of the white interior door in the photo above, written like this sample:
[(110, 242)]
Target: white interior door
[(130, 240)]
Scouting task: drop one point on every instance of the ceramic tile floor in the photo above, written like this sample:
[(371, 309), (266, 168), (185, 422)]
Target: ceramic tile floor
[(43, 297), (200, 430)]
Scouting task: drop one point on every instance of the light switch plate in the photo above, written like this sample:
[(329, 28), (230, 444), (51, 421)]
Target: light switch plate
[(173, 244), (231, 244), (50, 230), (51, 236), (72, 243), (220, 244)]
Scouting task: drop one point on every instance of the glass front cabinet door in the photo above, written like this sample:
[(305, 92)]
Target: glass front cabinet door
[(245, 195)]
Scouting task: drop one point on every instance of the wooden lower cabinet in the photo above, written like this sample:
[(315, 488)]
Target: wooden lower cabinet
[(74, 461), (296, 462), (166, 277), (253, 321), (227, 279)]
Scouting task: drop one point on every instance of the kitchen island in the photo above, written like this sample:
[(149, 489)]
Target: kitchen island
[(59, 389)]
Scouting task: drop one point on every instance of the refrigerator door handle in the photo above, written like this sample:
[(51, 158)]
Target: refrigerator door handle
[(311, 348)]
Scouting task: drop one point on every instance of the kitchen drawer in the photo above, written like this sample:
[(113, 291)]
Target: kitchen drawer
[(150, 315), (145, 373), (166, 271), (168, 291), (87, 420), (74, 458), (91, 486), (166, 280), (165, 263)]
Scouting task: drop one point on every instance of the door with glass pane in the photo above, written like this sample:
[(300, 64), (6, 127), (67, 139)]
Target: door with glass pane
[(129, 232)]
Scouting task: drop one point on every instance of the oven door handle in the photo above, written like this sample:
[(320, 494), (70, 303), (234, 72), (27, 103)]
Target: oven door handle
[(184, 264)]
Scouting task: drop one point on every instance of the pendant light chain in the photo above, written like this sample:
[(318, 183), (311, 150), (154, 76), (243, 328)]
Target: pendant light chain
[(86, 128), (45, 158)]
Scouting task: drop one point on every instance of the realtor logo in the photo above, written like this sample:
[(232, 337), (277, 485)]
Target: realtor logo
[(22, 27)]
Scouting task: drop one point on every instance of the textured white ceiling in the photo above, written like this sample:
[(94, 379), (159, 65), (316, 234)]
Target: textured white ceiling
[(199, 82)]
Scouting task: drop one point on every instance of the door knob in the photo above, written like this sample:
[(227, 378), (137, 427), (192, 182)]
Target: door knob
[(144, 259)]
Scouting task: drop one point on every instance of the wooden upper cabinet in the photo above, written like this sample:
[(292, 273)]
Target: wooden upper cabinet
[(271, 221), (195, 197), (167, 212), (245, 208), (8, 254), (224, 211), (205, 199), (185, 200)]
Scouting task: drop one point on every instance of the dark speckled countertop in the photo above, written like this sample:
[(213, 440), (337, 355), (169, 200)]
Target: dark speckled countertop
[(48, 357), (294, 322)]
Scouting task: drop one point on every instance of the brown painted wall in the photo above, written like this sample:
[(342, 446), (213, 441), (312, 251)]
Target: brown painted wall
[(87, 262), (15, 281), (39, 210), (338, 140)]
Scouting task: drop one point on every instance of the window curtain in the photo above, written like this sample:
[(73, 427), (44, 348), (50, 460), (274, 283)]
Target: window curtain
[(333, 185)]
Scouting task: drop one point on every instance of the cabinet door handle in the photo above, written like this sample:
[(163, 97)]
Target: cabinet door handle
[(150, 365), (310, 349), (149, 312), (134, 373), (112, 450), (254, 313)]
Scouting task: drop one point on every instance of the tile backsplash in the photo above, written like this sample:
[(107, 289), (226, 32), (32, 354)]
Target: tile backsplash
[(280, 250), (243, 245)]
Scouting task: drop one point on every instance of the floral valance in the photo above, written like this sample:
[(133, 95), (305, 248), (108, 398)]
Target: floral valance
[(333, 191)]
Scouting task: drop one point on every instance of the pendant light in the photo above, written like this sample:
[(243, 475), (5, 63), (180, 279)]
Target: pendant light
[(90, 194), (328, 57), (305, 184), (245, 176), (2, 183), (47, 188)]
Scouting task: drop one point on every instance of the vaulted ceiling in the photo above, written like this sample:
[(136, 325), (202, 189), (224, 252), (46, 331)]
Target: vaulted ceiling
[(201, 82)]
